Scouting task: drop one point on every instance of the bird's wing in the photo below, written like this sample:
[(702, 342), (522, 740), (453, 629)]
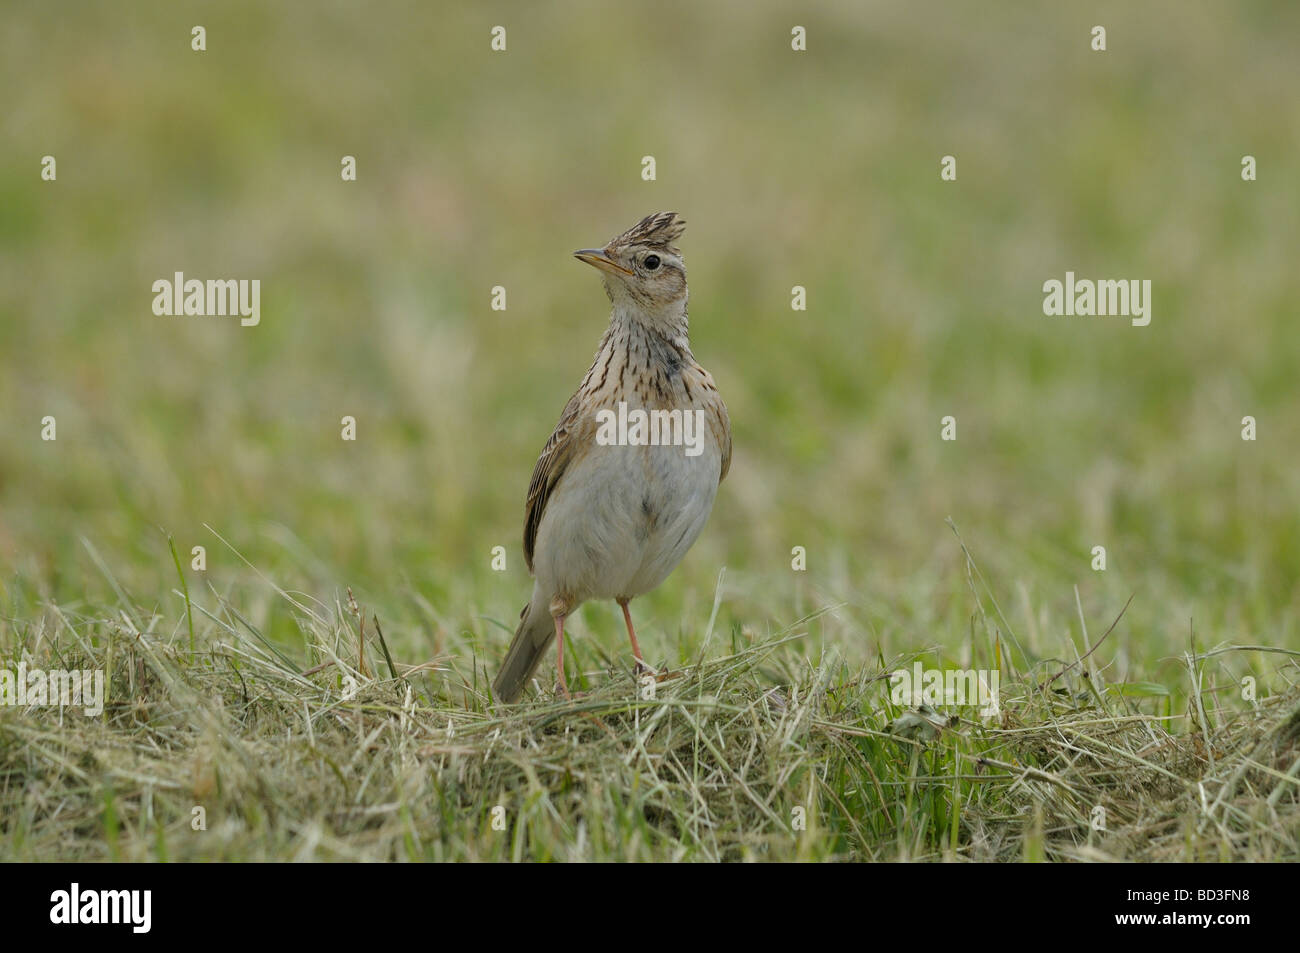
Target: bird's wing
[(719, 420), (724, 438), (555, 459)]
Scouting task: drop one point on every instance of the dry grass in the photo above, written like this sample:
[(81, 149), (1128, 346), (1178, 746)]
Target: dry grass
[(354, 756)]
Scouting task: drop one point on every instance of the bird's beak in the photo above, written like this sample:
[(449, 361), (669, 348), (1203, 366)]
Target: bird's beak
[(598, 258)]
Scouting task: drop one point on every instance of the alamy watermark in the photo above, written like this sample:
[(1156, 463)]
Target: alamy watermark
[(216, 296), (945, 686), (1105, 297), (132, 908), (76, 688), (654, 428)]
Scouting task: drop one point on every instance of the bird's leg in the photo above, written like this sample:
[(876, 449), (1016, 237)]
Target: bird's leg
[(559, 654), (631, 634)]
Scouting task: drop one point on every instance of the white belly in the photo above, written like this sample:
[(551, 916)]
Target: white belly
[(622, 518)]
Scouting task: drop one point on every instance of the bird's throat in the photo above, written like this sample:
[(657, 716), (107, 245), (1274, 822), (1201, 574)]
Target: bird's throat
[(669, 323)]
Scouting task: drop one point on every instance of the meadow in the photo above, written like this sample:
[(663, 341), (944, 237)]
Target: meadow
[(319, 689)]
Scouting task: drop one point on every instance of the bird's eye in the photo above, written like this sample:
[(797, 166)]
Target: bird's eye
[(651, 262)]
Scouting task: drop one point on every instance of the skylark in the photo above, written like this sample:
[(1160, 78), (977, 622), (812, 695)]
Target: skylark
[(626, 482)]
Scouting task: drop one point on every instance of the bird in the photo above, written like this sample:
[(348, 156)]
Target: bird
[(613, 505)]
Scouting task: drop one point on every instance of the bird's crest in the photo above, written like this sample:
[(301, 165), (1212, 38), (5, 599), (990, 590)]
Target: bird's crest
[(659, 230)]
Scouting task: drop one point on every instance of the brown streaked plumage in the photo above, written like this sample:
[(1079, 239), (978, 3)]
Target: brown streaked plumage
[(609, 520)]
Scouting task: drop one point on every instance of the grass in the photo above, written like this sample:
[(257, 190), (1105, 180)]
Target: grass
[(759, 749), (819, 169)]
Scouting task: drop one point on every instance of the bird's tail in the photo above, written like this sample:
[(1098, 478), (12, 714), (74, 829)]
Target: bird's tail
[(534, 636)]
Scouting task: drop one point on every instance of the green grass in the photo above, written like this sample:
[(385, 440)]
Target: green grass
[(819, 169)]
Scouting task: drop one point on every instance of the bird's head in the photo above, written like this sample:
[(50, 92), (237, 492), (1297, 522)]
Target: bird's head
[(644, 273)]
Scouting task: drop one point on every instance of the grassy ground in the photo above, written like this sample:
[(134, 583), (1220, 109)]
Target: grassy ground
[(755, 751), (819, 169)]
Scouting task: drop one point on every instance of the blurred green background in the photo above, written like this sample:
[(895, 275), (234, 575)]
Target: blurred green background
[(818, 168)]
